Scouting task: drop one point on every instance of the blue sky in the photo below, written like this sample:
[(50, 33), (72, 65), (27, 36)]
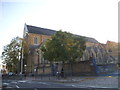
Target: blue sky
[(92, 18)]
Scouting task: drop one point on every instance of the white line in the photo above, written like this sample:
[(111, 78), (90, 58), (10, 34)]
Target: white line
[(74, 86), (14, 82), (89, 86), (6, 83), (43, 83), (22, 81), (17, 86)]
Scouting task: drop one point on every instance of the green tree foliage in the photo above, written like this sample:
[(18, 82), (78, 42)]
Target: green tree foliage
[(11, 54), (64, 47)]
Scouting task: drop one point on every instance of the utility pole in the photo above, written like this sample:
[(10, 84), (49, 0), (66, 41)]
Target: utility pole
[(22, 63)]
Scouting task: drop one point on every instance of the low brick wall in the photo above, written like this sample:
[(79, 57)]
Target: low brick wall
[(46, 70), (79, 68)]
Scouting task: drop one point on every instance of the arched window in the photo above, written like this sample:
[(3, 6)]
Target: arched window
[(35, 41)]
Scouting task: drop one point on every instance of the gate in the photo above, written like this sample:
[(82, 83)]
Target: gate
[(104, 69)]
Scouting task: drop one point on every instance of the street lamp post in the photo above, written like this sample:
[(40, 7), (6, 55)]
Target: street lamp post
[(22, 62), (38, 60)]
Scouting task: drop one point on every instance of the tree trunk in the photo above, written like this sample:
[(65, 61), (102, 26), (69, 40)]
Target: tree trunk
[(71, 69), (63, 69)]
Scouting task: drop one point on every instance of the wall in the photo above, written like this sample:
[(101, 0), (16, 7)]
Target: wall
[(81, 68), (32, 59), (40, 37)]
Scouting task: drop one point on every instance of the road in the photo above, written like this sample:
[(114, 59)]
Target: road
[(34, 84), (45, 84), (77, 82)]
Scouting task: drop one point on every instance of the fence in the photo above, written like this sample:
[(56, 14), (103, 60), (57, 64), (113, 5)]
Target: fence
[(104, 69)]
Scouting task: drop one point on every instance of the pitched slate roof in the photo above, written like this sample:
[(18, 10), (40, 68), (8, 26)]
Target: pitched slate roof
[(44, 31), (88, 39), (39, 30)]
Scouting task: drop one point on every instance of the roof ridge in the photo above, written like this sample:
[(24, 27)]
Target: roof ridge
[(40, 27)]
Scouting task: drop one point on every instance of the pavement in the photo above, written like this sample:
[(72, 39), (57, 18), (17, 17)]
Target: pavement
[(82, 81)]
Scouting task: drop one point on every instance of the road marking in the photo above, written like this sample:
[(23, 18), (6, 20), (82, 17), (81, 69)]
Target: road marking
[(6, 83), (14, 82), (89, 86), (22, 81), (43, 83), (17, 86), (74, 86), (109, 76)]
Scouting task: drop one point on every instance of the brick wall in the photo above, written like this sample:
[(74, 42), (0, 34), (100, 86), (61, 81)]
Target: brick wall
[(80, 68), (40, 38)]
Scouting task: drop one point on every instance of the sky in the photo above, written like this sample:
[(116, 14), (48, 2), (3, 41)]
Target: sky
[(92, 18)]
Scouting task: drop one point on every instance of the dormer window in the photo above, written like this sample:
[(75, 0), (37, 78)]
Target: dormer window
[(35, 41)]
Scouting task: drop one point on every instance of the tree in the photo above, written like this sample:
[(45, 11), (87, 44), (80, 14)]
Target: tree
[(12, 53), (54, 49), (75, 50), (64, 47)]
